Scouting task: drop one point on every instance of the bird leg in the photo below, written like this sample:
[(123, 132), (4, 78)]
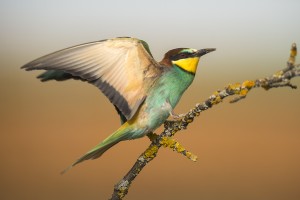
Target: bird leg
[(172, 114)]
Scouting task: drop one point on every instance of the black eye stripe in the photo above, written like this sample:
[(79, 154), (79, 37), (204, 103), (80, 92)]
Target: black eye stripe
[(181, 56)]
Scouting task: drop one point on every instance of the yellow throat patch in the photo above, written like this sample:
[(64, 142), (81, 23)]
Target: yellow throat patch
[(187, 64)]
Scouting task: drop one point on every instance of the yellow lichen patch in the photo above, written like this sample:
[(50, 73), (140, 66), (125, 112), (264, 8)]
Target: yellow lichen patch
[(150, 152), (167, 142), (293, 53), (171, 143), (191, 156), (216, 98), (175, 146), (179, 148), (216, 93), (244, 92), (248, 84), (293, 50), (278, 74), (235, 88), (174, 131), (121, 192)]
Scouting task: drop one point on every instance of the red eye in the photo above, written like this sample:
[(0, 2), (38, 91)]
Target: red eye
[(183, 55)]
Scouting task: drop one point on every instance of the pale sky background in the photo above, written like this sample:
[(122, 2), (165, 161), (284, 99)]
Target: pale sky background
[(228, 25), (249, 150)]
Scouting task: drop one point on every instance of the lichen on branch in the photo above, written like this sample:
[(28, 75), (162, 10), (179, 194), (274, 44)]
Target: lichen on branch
[(240, 90)]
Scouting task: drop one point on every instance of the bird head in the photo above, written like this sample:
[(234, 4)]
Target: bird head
[(185, 58)]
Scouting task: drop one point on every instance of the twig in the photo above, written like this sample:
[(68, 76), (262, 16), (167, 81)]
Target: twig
[(279, 79)]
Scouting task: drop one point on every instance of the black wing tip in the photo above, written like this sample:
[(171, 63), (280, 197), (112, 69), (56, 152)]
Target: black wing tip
[(42, 79), (124, 37), (29, 66), (26, 67)]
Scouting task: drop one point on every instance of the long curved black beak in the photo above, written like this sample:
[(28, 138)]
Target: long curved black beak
[(202, 52)]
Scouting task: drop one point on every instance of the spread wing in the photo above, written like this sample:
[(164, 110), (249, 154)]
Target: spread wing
[(122, 68)]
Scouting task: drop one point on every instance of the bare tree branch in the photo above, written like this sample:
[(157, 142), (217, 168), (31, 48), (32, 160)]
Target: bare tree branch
[(240, 90)]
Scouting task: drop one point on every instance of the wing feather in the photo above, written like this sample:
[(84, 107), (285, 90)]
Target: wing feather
[(122, 68)]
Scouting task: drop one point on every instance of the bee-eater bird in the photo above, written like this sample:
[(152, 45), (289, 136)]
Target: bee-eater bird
[(143, 91)]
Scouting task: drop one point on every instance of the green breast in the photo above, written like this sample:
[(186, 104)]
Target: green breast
[(175, 83), (165, 94)]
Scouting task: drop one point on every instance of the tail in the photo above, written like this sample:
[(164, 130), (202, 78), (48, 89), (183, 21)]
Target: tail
[(121, 134)]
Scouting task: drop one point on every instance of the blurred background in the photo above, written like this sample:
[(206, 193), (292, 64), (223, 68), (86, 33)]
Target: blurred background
[(248, 150)]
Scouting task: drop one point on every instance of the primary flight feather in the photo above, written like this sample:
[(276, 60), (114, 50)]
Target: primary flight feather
[(143, 91)]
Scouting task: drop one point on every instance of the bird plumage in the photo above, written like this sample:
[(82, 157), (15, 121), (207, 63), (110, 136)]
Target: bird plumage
[(119, 67), (143, 90)]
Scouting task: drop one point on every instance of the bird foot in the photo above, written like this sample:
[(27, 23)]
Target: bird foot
[(175, 116)]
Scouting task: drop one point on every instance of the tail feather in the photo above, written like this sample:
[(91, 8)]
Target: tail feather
[(98, 150)]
